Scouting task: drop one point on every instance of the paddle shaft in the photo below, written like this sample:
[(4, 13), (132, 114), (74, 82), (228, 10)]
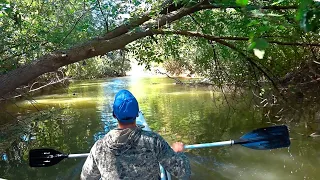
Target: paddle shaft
[(193, 146), (206, 145), (78, 155)]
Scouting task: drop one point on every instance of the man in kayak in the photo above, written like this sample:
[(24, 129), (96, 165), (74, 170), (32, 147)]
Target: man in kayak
[(128, 152)]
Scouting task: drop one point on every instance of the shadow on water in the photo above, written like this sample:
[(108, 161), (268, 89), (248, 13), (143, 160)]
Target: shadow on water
[(71, 120)]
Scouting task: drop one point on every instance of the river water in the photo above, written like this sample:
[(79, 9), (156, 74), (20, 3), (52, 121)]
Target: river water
[(71, 119)]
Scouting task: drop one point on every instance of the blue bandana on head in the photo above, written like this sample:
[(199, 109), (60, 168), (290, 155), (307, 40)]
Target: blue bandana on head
[(125, 107)]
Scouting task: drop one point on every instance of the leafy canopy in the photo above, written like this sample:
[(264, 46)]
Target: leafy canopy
[(31, 29)]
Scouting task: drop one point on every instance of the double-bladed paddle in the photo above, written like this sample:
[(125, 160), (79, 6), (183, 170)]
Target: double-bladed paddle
[(262, 139)]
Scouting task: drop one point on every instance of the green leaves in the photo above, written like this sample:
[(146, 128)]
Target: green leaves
[(258, 45), (62, 24), (136, 2), (309, 15), (242, 2)]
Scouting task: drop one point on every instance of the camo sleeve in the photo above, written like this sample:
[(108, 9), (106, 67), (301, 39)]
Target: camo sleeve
[(176, 163), (90, 169)]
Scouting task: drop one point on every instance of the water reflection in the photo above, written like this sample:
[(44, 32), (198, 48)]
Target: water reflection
[(72, 119), (68, 127)]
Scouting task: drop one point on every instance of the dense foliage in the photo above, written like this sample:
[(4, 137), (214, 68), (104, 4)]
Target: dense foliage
[(32, 28), (112, 64), (272, 39), (225, 40)]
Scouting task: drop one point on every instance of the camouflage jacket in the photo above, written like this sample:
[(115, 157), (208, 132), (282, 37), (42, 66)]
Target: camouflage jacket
[(133, 153)]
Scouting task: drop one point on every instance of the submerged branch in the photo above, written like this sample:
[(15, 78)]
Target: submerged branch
[(177, 80), (38, 88), (51, 83)]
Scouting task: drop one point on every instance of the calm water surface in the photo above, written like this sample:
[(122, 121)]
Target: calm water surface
[(72, 119)]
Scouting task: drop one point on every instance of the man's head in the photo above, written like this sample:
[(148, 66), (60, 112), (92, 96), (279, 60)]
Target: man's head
[(125, 107)]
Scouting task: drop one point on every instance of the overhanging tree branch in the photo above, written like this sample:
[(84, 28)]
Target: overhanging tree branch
[(231, 46), (113, 40), (211, 5), (251, 61), (233, 38), (215, 6), (215, 57), (105, 19), (76, 23)]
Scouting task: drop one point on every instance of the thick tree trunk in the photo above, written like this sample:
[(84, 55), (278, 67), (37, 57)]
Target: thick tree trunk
[(53, 61), (112, 40)]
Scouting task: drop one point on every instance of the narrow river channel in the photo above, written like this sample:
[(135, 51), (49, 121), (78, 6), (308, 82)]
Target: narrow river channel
[(71, 119)]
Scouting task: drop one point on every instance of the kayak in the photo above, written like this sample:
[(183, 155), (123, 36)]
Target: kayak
[(141, 121)]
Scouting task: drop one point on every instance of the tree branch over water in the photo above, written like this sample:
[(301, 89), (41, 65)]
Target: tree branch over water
[(212, 5), (215, 6), (232, 38), (117, 38), (231, 46), (113, 40)]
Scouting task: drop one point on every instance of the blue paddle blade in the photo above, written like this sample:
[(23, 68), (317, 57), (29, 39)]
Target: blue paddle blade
[(266, 138)]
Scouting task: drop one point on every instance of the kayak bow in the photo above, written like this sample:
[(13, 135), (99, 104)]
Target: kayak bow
[(141, 121)]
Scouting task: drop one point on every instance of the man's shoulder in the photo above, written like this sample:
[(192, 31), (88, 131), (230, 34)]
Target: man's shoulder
[(98, 144), (150, 134)]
